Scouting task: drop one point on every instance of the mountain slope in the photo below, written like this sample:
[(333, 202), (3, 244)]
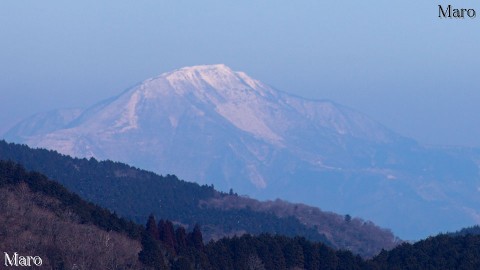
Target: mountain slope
[(39, 217), (212, 125), (234, 125), (439, 252), (135, 194)]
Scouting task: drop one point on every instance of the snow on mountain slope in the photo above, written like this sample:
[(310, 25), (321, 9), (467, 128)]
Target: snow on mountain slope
[(216, 126), (211, 92), (43, 123)]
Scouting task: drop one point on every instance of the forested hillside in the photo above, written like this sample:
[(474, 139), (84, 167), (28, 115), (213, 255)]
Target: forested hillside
[(39, 217), (135, 194), (187, 251), (442, 252), (474, 230)]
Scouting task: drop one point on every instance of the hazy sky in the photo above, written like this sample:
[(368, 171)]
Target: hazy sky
[(396, 61)]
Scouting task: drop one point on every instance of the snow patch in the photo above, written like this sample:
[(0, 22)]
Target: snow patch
[(254, 84), (248, 120), (255, 177), (129, 118), (214, 83), (173, 121), (391, 177)]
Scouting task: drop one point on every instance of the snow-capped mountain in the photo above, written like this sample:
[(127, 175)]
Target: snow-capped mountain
[(216, 126)]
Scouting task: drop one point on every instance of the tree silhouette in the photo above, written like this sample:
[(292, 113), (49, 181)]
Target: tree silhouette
[(151, 227)]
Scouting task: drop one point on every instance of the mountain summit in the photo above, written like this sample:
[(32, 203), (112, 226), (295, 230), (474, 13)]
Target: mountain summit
[(213, 125)]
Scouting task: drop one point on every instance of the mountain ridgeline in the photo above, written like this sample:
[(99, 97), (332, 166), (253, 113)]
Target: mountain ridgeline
[(135, 194), (213, 125), (39, 217)]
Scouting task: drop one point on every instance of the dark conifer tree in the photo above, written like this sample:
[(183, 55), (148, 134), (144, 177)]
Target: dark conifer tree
[(182, 263), (293, 253), (220, 254), (195, 238), (169, 235), (151, 227), (278, 259), (151, 253), (329, 259), (161, 230), (181, 239)]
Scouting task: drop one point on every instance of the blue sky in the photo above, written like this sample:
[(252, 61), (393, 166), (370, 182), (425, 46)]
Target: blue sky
[(396, 61)]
